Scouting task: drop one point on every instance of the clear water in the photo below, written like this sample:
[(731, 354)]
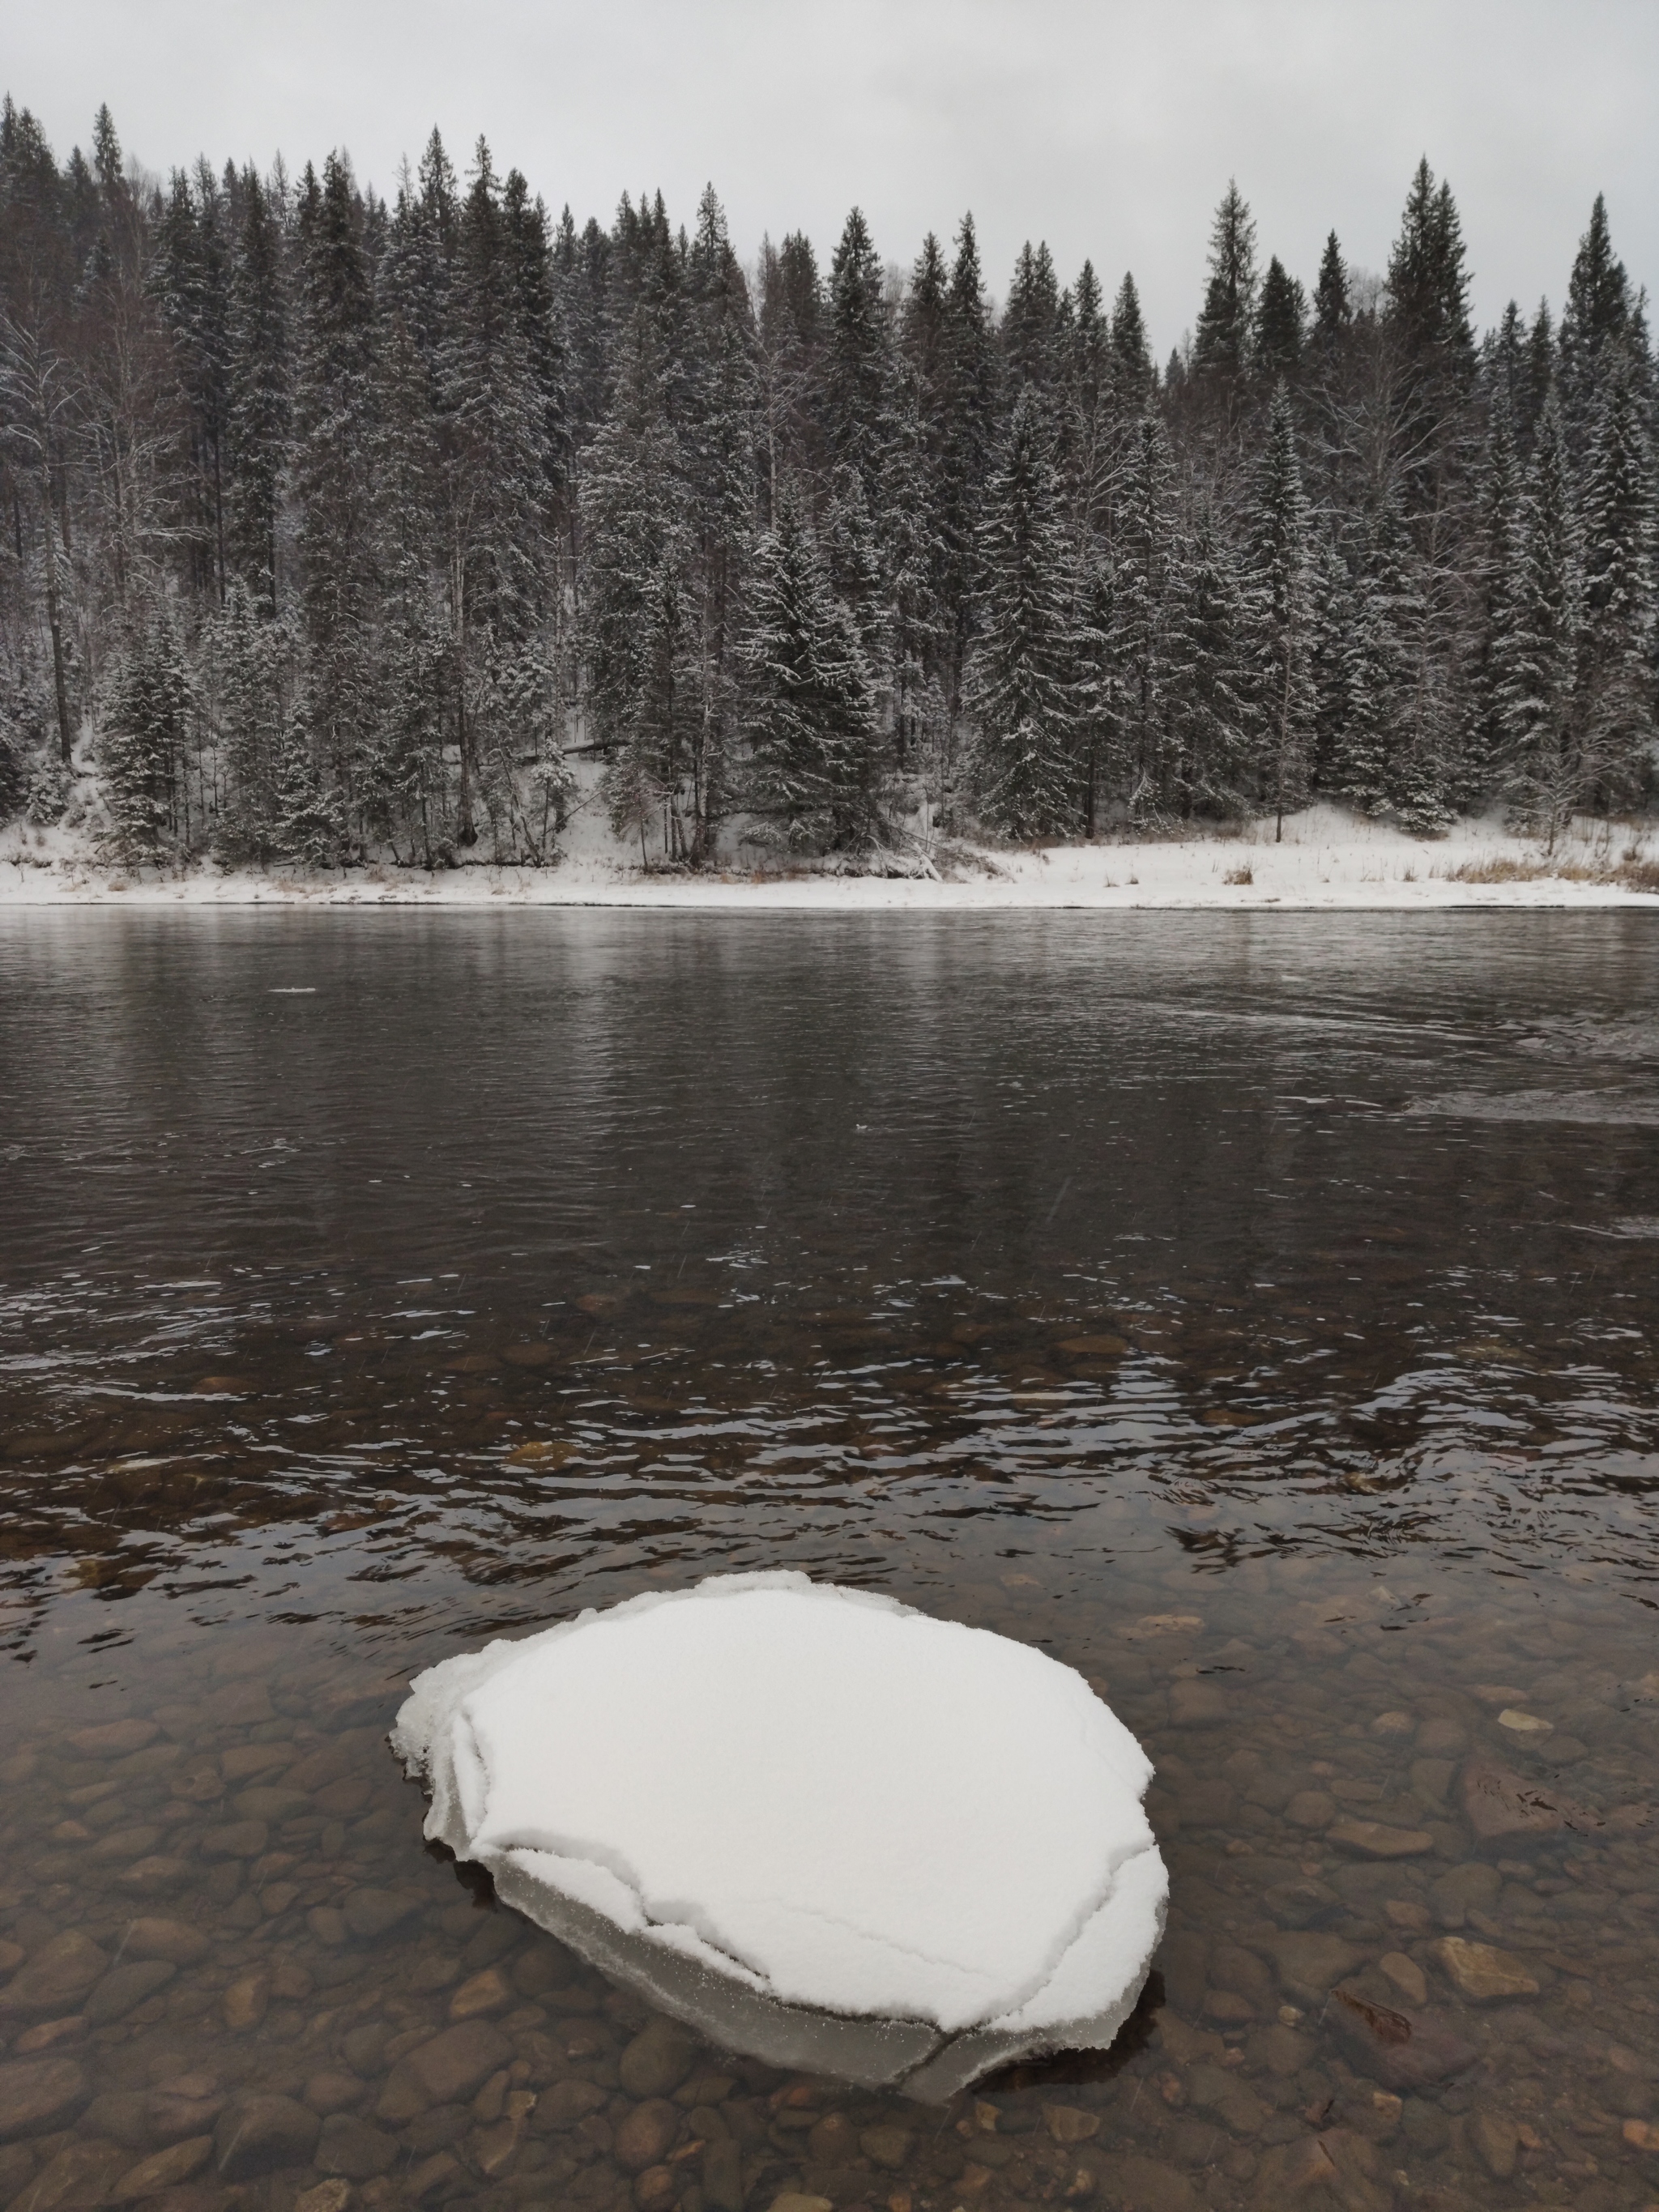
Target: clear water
[(1256, 1312)]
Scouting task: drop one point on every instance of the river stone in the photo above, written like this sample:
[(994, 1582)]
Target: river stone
[(1482, 1973), (1309, 1962), (124, 1988), (153, 1938), (488, 1992), (1372, 1839), (348, 2146), (1197, 1705), (1148, 2184), (61, 1972), (1311, 1809), (1498, 1803), (1407, 1976), (1495, 2139), (658, 2060), (164, 2169), (75, 2180), (258, 2134), (1401, 2050), (246, 2001), (454, 2065), (645, 2134), (372, 1913), (240, 1839), (113, 1739), (1473, 1885), (37, 2093), (271, 1803), (155, 1877), (333, 2196), (887, 2146)]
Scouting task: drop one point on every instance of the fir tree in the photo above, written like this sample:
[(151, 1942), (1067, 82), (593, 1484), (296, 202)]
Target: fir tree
[(1022, 682)]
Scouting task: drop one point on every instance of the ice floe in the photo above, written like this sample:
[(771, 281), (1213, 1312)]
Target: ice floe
[(819, 1825)]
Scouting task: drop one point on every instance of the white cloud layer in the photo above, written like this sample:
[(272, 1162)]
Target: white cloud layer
[(1110, 129)]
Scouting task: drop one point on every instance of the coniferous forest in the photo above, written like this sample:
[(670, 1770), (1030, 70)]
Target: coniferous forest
[(337, 527)]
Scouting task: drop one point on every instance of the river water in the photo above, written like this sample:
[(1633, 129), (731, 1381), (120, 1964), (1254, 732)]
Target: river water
[(1254, 1312)]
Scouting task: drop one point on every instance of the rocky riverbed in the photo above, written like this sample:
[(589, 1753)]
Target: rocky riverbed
[(1410, 1962)]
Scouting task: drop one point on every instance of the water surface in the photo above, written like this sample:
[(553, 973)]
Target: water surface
[(1253, 1311)]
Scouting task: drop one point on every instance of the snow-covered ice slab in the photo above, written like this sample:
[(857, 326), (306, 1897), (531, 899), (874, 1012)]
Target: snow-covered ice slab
[(814, 1824)]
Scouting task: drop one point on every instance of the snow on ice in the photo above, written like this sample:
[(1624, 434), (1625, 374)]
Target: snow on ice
[(816, 1825)]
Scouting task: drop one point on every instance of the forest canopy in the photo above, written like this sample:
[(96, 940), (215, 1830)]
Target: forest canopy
[(339, 526)]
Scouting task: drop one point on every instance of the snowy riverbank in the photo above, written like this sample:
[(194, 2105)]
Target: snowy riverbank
[(1327, 858)]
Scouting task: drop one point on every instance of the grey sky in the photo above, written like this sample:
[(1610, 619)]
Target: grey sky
[(1110, 129)]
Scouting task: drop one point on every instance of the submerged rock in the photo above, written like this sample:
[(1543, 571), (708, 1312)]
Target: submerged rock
[(1400, 2050), (815, 1824)]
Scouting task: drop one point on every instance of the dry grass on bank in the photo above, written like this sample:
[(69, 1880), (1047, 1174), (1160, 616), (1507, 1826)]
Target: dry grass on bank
[(1633, 873)]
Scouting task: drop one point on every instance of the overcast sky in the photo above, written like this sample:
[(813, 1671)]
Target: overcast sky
[(1110, 127)]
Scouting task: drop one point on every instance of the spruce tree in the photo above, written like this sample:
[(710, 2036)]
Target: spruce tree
[(1281, 323), (258, 399), (1596, 316), (1221, 343), (1030, 320), (637, 637), (858, 347), (1615, 673), (1133, 374), (142, 744), (1536, 675), (335, 441), (1213, 710), (1280, 536), (1333, 311), (815, 783), (1147, 586), (1022, 683)]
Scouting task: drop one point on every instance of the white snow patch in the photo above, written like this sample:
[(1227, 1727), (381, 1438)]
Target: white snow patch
[(818, 1825), (1326, 857)]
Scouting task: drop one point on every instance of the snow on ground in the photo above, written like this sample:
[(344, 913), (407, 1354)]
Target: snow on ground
[(793, 1810), (1327, 858)]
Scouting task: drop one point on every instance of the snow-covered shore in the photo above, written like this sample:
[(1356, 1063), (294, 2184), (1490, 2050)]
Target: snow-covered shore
[(1328, 859)]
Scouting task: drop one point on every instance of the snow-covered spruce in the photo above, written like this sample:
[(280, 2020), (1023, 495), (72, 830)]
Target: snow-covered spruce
[(817, 1825)]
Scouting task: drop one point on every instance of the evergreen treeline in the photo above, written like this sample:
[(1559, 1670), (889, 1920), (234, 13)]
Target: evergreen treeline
[(336, 526)]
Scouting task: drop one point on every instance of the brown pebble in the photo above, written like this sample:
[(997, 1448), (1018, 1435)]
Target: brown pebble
[(113, 1739), (150, 1937), (245, 2002), (163, 2169), (1482, 1973), (331, 2091), (485, 1993), (645, 2134), (1374, 1840)]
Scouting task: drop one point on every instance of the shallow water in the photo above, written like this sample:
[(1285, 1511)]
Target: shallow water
[(1256, 1312)]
